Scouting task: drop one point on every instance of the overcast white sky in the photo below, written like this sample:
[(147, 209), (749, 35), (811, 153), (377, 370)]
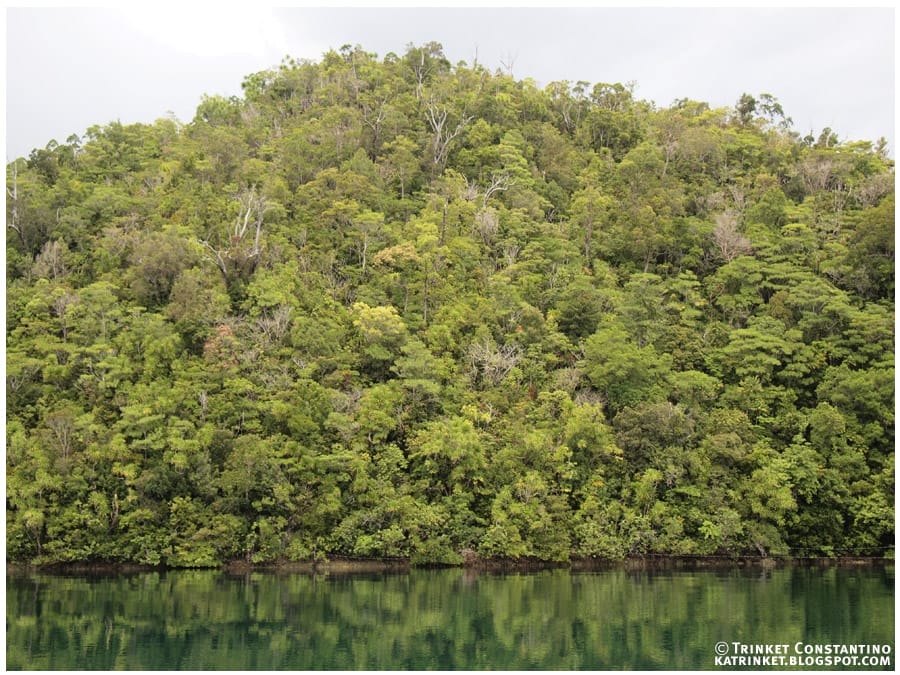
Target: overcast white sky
[(68, 68)]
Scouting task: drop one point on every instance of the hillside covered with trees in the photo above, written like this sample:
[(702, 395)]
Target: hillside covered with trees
[(399, 307)]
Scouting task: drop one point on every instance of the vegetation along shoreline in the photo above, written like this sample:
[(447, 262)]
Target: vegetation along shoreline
[(345, 565), (394, 308)]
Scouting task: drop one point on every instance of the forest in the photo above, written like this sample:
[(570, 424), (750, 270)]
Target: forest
[(402, 308)]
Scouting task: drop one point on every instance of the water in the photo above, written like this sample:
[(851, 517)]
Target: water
[(437, 619)]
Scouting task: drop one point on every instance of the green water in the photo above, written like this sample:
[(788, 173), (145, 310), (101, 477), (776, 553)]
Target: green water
[(437, 619)]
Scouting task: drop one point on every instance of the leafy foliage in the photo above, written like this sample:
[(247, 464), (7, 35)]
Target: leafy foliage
[(405, 308)]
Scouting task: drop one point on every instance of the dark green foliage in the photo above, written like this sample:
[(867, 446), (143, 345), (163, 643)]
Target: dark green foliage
[(405, 308)]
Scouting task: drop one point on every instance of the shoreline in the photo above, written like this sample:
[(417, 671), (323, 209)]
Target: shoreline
[(338, 565)]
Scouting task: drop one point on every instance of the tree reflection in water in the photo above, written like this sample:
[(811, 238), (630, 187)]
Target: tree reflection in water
[(449, 619)]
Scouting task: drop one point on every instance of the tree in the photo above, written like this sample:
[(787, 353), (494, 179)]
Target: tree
[(871, 252), (745, 107), (623, 372), (400, 163), (443, 132), (382, 333), (589, 208), (729, 242), (449, 455), (238, 252)]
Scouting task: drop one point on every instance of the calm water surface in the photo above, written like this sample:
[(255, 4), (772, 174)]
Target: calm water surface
[(436, 619)]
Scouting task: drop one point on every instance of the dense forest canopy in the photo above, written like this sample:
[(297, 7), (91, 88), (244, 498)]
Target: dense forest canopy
[(402, 307)]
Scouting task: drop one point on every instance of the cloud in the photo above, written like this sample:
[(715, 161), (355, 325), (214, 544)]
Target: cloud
[(206, 33)]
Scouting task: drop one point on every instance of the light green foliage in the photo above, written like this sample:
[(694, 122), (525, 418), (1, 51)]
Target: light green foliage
[(401, 307), (449, 456), (625, 372), (382, 333)]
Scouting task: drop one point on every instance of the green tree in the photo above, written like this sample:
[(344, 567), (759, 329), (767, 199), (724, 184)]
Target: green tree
[(623, 371)]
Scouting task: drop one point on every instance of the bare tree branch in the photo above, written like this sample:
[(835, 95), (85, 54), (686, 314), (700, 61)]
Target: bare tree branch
[(253, 208), (499, 181), (436, 116), (13, 195), (730, 242)]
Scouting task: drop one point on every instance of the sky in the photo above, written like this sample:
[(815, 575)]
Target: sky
[(68, 69)]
